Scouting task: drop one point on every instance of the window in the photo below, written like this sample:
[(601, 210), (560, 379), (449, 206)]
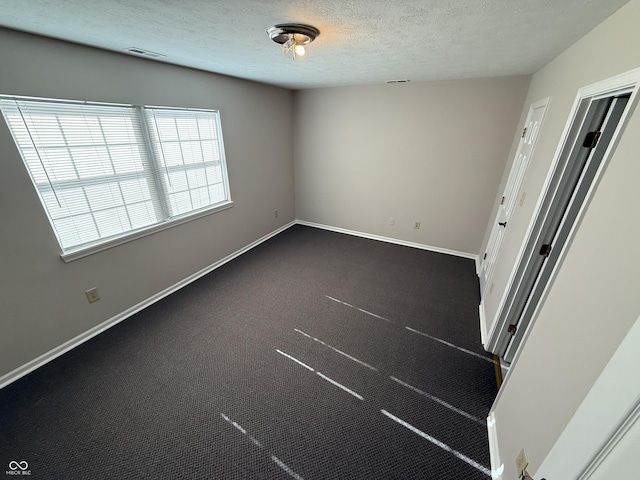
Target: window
[(109, 173)]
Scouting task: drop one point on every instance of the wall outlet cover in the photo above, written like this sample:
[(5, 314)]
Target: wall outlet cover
[(521, 462), (92, 295)]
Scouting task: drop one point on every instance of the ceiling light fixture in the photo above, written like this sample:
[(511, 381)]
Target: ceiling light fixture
[(293, 37)]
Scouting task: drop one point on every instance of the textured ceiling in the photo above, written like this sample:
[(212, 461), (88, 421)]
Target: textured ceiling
[(361, 41)]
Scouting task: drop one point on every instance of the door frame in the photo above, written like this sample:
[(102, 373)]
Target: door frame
[(614, 400), (625, 82), (576, 180), (586, 443)]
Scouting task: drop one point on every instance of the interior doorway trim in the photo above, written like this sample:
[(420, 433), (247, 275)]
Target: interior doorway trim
[(627, 83), (614, 399)]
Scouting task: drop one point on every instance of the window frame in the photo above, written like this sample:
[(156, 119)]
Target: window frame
[(154, 170)]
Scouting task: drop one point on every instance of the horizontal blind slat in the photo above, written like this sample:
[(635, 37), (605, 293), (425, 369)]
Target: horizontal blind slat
[(95, 175), (82, 159), (186, 143)]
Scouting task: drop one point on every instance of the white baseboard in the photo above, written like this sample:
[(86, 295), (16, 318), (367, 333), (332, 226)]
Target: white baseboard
[(390, 240), (30, 366), (483, 324), (497, 467)]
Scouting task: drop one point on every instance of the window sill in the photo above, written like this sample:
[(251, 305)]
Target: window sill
[(86, 251)]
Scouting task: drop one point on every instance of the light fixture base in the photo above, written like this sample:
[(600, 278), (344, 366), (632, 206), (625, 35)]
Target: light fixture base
[(301, 33)]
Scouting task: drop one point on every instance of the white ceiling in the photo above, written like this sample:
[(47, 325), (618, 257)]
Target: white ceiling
[(361, 41)]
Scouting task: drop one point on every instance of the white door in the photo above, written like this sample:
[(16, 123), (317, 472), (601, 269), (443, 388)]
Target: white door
[(512, 188)]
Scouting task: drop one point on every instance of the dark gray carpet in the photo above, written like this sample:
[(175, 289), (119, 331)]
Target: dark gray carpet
[(195, 387)]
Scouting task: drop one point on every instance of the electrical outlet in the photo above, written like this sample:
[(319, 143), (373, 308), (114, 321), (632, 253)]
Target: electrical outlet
[(392, 221), (522, 462), (92, 295), (275, 214), (416, 225)]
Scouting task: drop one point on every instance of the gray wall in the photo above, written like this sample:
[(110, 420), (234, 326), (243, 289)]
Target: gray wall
[(432, 152), (418, 152), (594, 300), (41, 297)]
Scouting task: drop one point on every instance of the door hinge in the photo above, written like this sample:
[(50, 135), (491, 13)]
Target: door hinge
[(512, 329), (545, 250), (524, 132), (591, 140), (485, 257), (502, 201)]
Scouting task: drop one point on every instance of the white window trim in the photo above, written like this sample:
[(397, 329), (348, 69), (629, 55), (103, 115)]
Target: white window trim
[(134, 235), (74, 253)]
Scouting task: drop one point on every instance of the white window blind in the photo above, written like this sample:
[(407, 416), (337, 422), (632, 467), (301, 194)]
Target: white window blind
[(106, 171), (189, 144)]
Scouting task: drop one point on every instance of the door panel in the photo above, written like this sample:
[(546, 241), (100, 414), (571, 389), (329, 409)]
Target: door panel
[(511, 191)]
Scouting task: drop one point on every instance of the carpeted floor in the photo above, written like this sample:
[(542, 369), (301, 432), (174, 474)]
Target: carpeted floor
[(316, 355)]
